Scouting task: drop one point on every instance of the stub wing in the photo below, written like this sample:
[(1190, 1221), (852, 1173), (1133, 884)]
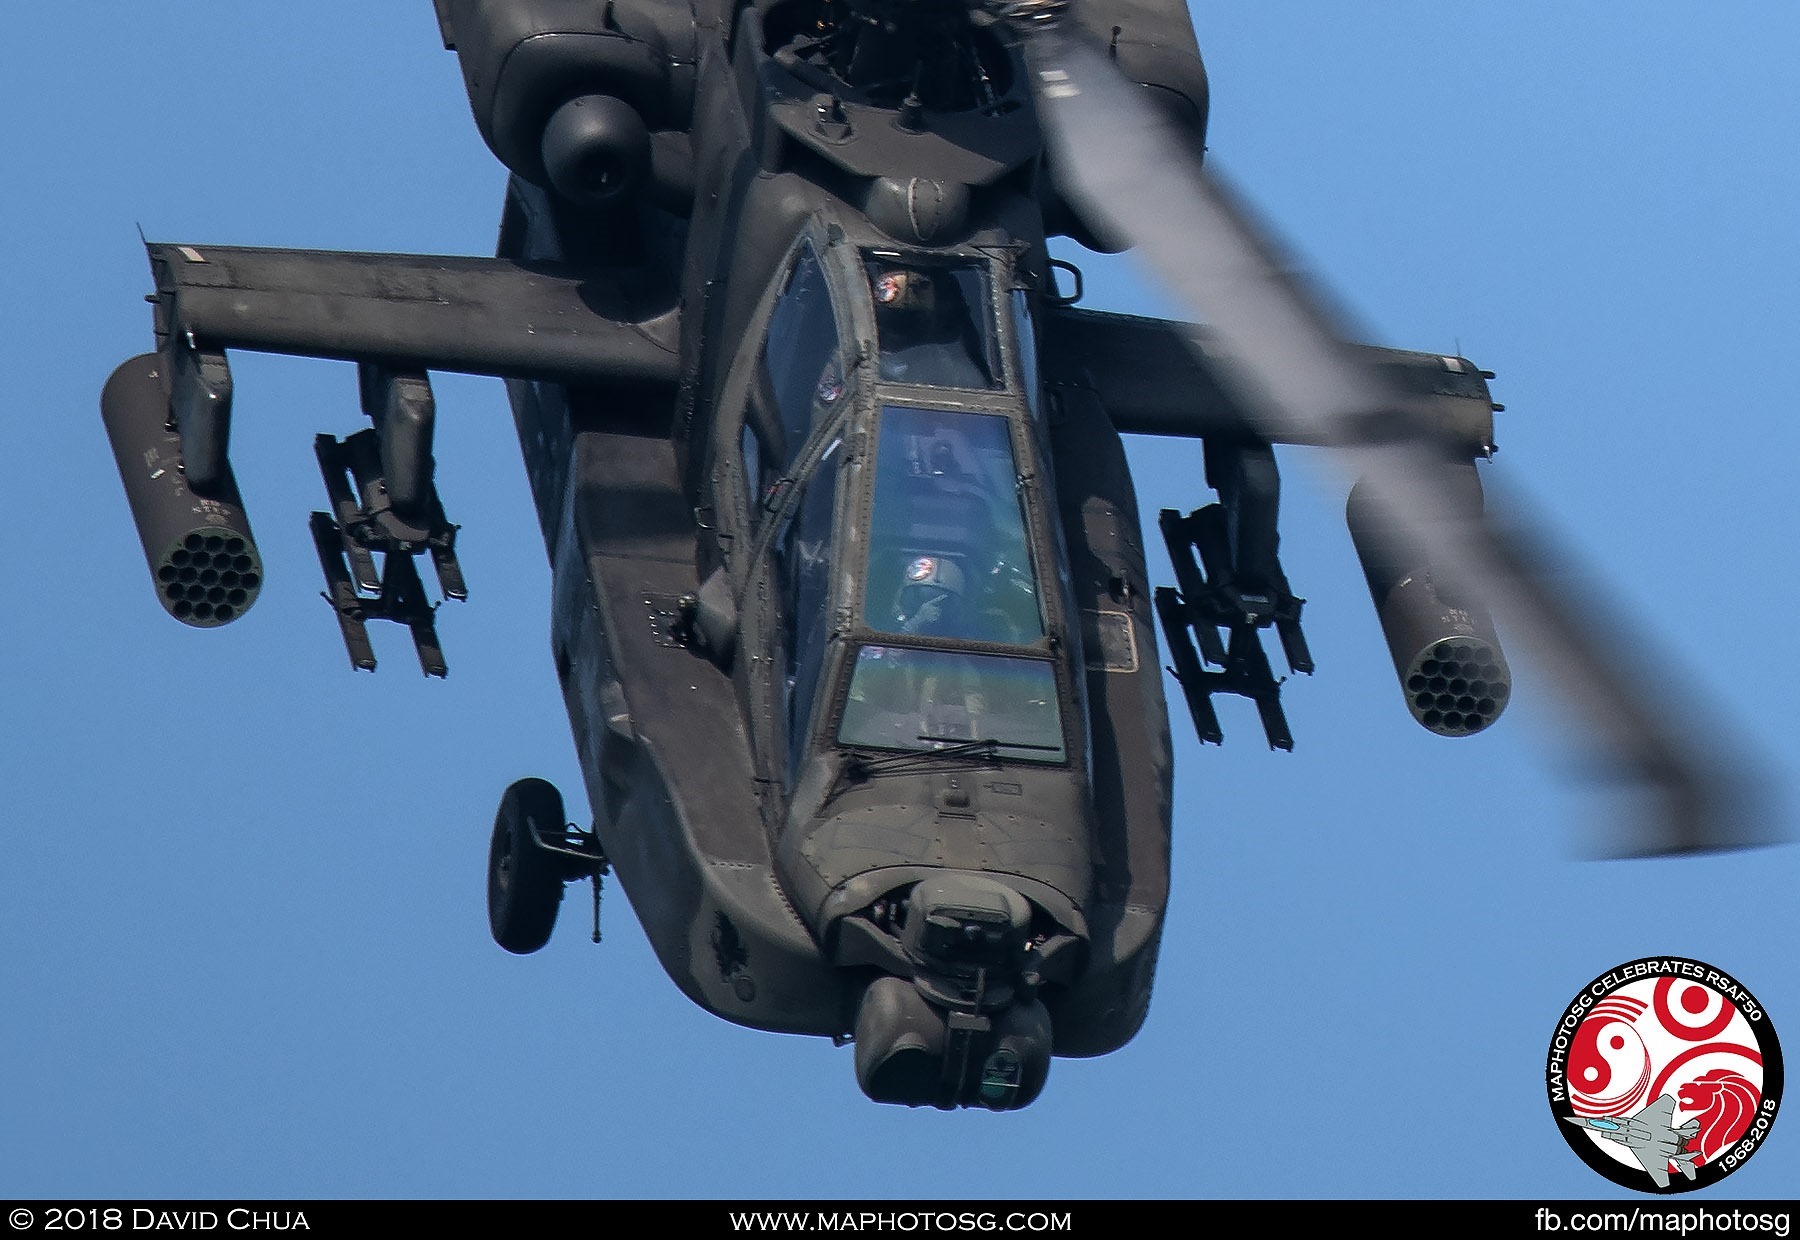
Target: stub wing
[(491, 316)]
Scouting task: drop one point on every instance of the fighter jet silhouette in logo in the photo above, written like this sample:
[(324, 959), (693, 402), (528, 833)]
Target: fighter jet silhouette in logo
[(1650, 1138)]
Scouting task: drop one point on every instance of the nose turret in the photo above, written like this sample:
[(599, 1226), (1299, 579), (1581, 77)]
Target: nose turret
[(967, 1028)]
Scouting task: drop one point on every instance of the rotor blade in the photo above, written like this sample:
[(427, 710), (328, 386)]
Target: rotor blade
[(1131, 173)]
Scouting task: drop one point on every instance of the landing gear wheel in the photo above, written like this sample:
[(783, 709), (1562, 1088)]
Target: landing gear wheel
[(524, 882)]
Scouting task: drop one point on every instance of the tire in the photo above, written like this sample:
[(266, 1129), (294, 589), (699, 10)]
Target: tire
[(524, 886)]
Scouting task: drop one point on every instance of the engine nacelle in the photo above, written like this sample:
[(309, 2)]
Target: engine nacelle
[(1445, 648), (201, 555)]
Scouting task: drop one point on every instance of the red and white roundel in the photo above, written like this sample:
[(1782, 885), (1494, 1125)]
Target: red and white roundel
[(1664, 1074)]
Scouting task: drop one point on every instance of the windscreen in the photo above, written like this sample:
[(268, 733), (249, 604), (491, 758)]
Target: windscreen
[(907, 698)]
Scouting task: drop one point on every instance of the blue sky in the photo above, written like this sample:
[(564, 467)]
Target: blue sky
[(244, 946)]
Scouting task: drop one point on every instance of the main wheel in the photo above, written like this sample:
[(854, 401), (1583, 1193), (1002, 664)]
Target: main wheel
[(524, 886)]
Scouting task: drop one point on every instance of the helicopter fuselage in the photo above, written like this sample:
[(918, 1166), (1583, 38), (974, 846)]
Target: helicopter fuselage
[(847, 608)]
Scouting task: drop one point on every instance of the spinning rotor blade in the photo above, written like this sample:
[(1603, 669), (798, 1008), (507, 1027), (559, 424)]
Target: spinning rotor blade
[(1133, 175)]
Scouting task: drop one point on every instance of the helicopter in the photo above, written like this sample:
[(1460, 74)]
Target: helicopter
[(852, 614)]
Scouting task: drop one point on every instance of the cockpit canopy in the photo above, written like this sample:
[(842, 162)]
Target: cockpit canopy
[(954, 567)]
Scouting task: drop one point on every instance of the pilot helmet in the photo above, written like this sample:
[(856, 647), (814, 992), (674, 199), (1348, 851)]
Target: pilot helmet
[(930, 594), (913, 306), (903, 290)]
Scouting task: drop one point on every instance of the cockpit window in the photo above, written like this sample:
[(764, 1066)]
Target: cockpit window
[(801, 363), (949, 559), (803, 559), (933, 324), (1028, 359), (948, 553), (906, 698)]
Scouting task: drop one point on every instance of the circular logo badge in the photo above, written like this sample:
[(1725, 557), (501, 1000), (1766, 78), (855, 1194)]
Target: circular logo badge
[(1664, 1074)]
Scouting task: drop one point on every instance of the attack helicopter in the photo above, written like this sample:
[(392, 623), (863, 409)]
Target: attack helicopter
[(852, 613)]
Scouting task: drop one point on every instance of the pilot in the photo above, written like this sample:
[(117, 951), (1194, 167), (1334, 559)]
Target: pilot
[(936, 599), (926, 334), (943, 701)]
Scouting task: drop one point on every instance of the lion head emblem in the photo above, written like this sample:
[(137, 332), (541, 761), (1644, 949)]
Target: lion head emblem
[(1726, 1102)]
